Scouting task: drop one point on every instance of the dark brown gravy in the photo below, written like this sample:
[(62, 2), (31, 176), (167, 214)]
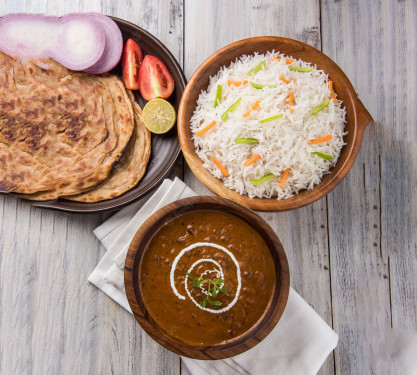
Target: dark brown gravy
[(185, 319)]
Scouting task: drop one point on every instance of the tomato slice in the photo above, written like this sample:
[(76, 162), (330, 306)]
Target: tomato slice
[(131, 60), (155, 81)]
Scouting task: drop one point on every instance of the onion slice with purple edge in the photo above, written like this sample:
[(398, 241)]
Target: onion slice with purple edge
[(113, 46), (75, 41)]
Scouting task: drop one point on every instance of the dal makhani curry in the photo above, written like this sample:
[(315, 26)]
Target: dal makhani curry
[(207, 277)]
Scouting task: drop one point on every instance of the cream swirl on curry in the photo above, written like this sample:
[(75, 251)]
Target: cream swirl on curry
[(218, 271)]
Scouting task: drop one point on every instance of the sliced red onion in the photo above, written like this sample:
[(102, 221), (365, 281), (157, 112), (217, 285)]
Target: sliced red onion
[(28, 36), (113, 48), (75, 41), (81, 44)]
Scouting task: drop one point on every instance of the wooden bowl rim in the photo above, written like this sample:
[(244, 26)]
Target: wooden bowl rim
[(361, 118), (240, 344)]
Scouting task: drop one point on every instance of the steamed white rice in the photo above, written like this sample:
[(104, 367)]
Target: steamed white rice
[(283, 143)]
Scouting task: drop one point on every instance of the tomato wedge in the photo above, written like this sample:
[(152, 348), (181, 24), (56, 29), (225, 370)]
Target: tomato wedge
[(131, 61), (155, 81)]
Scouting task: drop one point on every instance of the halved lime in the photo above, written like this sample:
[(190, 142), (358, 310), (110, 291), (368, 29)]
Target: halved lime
[(159, 116)]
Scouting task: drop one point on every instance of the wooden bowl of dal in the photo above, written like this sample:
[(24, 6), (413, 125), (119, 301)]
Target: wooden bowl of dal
[(357, 118), (247, 313)]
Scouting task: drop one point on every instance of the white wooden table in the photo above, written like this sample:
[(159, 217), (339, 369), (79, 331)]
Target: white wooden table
[(352, 255)]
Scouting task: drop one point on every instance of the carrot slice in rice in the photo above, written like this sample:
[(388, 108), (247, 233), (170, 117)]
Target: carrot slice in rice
[(205, 130), (220, 166), (326, 138), (254, 106), (284, 80), (284, 177), (252, 160), (236, 83), (332, 95), (290, 100)]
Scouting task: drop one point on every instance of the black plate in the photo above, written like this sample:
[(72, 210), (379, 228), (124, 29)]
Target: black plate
[(165, 148)]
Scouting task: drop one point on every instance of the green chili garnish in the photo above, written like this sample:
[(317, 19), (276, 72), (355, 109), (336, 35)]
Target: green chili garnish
[(271, 118), (241, 141), (320, 107), (218, 95), (259, 86), (257, 68), (263, 179), (225, 115), (256, 85), (323, 156), (298, 69)]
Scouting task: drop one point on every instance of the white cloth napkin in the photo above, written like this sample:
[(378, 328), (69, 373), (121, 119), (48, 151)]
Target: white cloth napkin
[(299, 343)]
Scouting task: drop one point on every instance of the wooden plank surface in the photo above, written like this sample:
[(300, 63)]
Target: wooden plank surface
[(372, 215), (352, 255), (398, 116)]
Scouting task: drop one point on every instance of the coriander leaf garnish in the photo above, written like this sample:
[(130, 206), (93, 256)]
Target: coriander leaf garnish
[(213, 289), (198, 282), (190, 276), (224, 291)]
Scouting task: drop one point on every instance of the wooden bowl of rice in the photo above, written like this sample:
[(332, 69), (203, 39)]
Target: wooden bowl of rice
[(357, 118)]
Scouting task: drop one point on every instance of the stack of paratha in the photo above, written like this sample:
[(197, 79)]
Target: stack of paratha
[(68, 134)]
